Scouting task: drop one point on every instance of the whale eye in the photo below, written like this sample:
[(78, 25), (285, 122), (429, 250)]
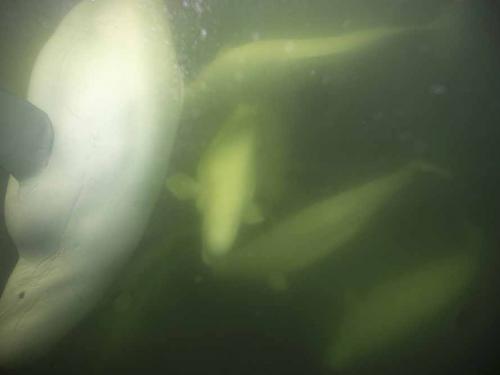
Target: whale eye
[(21, 295)]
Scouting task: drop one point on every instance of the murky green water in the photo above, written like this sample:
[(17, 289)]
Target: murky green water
[(365, 185)]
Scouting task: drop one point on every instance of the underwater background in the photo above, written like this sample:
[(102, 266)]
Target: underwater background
[(428, 96)]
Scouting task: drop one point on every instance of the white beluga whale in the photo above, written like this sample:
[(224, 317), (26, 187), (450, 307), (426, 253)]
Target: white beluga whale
[(109, 81), (397, 308), (226, 177), (278, 65), (317, 230)]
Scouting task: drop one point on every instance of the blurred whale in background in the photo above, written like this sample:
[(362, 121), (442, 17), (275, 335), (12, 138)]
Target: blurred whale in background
[(396, 308), (227, 174), (317, 230), (278, 65)]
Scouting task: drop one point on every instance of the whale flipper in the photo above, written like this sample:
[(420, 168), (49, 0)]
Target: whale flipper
[(26, 137)]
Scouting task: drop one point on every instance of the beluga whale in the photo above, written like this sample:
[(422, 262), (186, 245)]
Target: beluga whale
[(226, 178), (109, 82)]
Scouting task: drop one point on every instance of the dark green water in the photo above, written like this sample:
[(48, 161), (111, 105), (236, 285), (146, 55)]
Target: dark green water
[(429, 96)]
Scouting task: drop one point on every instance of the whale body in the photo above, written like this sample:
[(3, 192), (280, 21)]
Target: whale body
[(276, 66), (226, 179), (109, 81), (398, 308), (317, 230)]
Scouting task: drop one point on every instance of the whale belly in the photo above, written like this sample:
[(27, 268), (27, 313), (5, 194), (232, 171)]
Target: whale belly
[(109, 81)]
